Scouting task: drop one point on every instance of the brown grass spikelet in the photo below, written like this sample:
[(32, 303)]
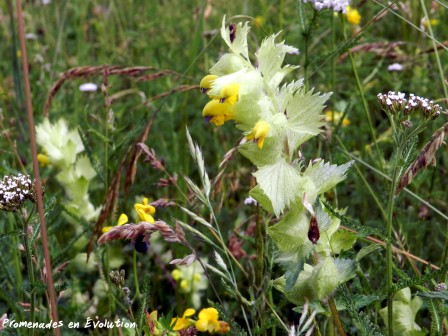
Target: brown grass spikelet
[(132, 231), (425, 158)]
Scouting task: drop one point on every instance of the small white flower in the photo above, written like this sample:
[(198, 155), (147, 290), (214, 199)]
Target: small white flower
[(31, 36), (395, 67), (88, 87), (335, 5)]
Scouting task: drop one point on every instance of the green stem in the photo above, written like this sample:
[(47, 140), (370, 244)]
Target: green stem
[(364, 101), (335, 315), (389, 227), (29, 262), (445, 258), (307, 36), (134, 267)]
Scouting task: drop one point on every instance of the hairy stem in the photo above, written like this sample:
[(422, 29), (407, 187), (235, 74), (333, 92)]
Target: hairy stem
[(389, 227), (335, 315)]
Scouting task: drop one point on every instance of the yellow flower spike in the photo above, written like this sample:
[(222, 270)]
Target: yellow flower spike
[(259, 133), (206, 83), (175, 274), (43, 159), (144, 211), (123, 219), (183, 322), (217, 112), (208, 320), (353, 16), (229, 93)]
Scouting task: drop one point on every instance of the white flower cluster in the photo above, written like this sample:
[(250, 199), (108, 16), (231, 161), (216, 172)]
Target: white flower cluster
[(336, 5), (396, 102), (14, 190)]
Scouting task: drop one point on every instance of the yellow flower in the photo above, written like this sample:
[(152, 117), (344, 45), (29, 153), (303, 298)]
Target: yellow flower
[(183, 322), (184, 284), (176, 274), (259, 21), (431, 22), (229, 93), (144, 211), (353, 16), (206, 83), (43, 159), (208, 320), (217, 112), (259, 133), (123, 219), (336, 117)]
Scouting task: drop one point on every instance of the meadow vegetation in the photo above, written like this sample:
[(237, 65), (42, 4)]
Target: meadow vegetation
[(246, 168)]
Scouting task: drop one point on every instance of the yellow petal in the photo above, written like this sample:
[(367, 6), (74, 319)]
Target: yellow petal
[(106, 229), (217, 112), (189, 312), (206, 83), (43, 159), (259, 132), (209, 314), (123, 219)]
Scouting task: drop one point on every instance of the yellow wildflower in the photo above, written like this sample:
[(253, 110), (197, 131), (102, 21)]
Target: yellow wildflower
[(183, 322), (229, 93), (144, 211), (208, 320), (206, 83), (353, 16), (430, 22), (217, 112), (123, 219), (185, 284), (176, 274), (43, 159), (259, 133), (335, 117), (259, 21)]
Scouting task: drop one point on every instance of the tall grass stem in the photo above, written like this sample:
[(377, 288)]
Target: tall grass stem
[(40, 206)]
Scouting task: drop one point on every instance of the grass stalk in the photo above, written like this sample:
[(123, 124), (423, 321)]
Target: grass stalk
[(40, 206), (364, 101)]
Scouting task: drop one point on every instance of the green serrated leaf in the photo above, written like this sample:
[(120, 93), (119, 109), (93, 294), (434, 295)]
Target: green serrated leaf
[(269, 154), (366, 250), (257, 194), (404, 312), (304, 113), (443, 295), (326, 176), (270, 57), (281, 183), (316, 282)]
